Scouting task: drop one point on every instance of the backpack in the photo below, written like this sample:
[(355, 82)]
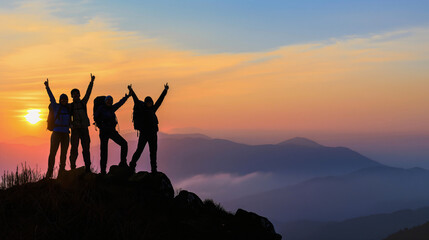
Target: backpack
[(138, 117), (144, 119), (98, 102), (52, 117)]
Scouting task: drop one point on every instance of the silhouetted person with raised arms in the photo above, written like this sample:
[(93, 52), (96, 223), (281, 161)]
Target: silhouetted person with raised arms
[(146, 121), (60, 131), (79, 126), (105, 118)]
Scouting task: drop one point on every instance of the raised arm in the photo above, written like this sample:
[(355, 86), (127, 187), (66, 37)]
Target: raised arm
[(121, 102), (51, 96), (89, 89), (161, 98), (133, 94)]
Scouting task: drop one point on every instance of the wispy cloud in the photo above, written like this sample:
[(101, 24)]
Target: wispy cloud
[(359, 83), (226, 186)]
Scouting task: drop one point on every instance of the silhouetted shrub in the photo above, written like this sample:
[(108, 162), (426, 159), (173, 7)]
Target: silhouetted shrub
[(210, 205), (27, 175)]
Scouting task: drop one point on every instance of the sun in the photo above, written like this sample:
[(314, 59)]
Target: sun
[(33, 116)]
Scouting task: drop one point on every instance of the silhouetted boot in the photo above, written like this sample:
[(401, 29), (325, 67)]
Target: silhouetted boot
[(153, 166), (103, 165), (72, 164), (133, 166), (123, 164)]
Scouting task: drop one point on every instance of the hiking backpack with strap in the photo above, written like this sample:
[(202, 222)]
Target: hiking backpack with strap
[(138, 117), (52, 117), (98, 102)]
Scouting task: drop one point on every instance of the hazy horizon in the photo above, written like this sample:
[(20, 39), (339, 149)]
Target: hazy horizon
[(393, 149)]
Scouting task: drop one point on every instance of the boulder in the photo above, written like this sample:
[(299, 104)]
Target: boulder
[(138, 177), (187, 199), (153, 183), (119, 172), (67, 178), (257, 227)]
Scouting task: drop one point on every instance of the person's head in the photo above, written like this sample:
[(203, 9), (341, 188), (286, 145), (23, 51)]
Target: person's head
[(108, 100), (75, 94), (64, 99), (148, 101)]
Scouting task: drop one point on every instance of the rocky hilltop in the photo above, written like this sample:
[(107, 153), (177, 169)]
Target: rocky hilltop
[(120, 205)]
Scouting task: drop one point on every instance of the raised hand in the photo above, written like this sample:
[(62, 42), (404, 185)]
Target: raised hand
[(166, 86), (130, 87), (92, 77), (46, 82)]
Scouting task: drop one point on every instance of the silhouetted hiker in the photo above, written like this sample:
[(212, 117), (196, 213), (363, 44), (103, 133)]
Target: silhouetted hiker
[(105, 118), (60, 130), (79, 126), (146, 122)]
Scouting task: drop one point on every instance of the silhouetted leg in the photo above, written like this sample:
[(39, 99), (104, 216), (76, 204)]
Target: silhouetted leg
[(140, 147), (85, 141), (74, 142), (55, 143), (118, 139), (104, 140), (153, 147), (64, 147)]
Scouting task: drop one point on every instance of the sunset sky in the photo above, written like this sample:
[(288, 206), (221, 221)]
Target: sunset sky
[(234, 67)]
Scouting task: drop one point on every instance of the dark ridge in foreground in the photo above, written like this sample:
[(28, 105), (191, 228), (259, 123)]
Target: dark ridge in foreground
[(120, 205), (416, 233)]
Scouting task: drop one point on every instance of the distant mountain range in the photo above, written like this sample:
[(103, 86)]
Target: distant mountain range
[(185, 155), (298, 156), (373, 227), (367, 191)]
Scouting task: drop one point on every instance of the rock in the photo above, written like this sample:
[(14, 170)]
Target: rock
[(257, 227), (161, 182), (67, 178), (138, 177), (119, 172), (154, 183), (187, 199)]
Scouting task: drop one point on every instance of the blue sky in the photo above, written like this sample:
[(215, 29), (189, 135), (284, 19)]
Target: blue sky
[(248, 25)]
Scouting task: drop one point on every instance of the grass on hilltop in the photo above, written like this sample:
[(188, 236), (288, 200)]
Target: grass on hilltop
[(16, 178)]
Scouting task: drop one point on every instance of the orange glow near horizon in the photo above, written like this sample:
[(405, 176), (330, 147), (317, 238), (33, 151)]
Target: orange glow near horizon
[(376, 83)]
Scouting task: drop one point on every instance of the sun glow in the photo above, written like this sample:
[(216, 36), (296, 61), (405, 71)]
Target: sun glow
[(33, 116)]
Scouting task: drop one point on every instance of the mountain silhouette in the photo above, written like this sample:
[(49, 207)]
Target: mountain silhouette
[(119, 205), (371, 227), (298, 157), (364, 192), (300, 141)]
